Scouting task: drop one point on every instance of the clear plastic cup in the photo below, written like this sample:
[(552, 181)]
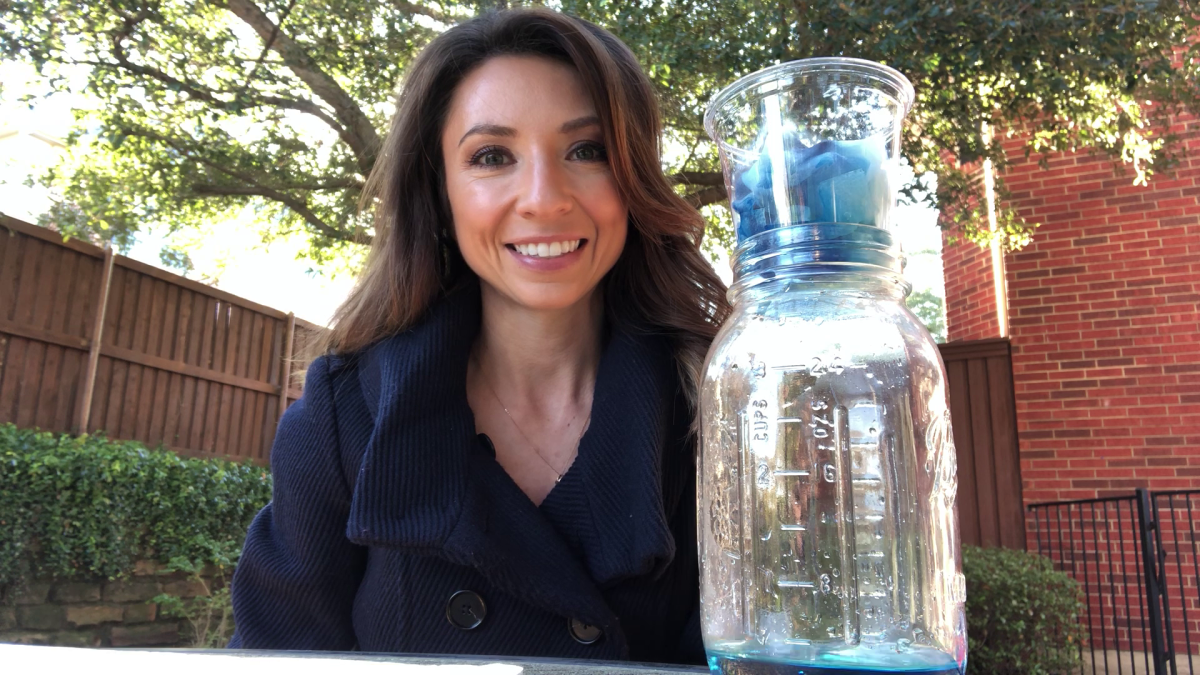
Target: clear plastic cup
[(811, 141)]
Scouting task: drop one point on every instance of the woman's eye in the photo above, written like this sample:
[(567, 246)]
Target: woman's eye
[(591, 152), (489, 157)]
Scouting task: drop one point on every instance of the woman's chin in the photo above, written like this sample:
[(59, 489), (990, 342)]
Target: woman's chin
[(547, 297)]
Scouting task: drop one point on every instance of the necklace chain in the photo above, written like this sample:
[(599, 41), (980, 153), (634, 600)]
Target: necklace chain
[(487, 381)]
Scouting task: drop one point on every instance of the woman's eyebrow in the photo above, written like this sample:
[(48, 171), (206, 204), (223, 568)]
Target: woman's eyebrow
[(579, 123), (486, 129)]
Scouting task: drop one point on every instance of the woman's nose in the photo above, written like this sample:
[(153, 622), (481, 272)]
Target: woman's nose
[(545, 190)]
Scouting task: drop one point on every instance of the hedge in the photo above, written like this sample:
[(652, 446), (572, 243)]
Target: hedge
[(89, 506), (1023, 617)]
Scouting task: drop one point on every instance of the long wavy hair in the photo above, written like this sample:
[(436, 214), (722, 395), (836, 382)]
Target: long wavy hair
[(661, 283)]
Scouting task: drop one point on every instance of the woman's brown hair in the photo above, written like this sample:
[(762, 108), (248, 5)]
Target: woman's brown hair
[(660, 284)]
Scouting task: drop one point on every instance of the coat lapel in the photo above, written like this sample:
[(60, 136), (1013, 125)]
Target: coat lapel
[(426, 483), (616, 484)]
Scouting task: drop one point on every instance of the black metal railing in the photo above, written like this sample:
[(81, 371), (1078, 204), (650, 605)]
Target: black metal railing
[(1139, 608)]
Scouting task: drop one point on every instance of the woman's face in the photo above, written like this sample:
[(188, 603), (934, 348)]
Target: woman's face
[(536, 211)]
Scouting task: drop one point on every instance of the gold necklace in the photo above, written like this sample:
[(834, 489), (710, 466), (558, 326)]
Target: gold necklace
[(487, 382)]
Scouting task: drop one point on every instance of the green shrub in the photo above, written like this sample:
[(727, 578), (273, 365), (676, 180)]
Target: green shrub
[(209, 614), (1023, 617), (88, 506)]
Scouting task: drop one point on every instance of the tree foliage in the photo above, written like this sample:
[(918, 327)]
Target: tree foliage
[(206, 106), (931, 310)]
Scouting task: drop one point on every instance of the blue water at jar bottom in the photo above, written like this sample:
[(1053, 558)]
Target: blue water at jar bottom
[(740, 664)]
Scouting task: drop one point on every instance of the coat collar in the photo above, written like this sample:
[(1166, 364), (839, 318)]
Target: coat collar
[(427, 484)]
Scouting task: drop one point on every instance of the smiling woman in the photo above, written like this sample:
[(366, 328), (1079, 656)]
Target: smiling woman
[(495, 455)]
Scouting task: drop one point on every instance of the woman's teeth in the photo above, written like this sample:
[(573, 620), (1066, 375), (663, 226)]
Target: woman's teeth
[(551, 250)]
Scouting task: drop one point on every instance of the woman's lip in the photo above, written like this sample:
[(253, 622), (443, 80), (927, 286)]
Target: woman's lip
[(547, 239), (540, 264)]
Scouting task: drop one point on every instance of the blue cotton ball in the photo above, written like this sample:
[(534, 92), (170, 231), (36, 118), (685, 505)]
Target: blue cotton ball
[(842, 181)]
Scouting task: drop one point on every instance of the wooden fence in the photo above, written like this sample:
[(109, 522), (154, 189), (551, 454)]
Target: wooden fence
[(91, 341), (984, 415)]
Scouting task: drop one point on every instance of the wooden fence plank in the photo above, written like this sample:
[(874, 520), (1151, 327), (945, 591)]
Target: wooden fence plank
[(132, 416), (225, 422), (271, 420), (985, 463), (78, 309), (1008, 465), (960, 415), (262, 372), (35, 357), (98, 321), (220, 346), (33, 305), (286, 366), (73, 364), (191, 404), (11, 262), (14, 367), (42, 335), (248, 441), (25, 292), (150, 377), (241, 401), (206, 412), (65, 288), (96, 420), (46, 283), (983, 412), (46, 388), (158, 315), (157, 362), (165, 344), (183, 312), (126, 290), (81, 311)]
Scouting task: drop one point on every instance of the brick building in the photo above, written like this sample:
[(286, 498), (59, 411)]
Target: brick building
[(1102, 313)]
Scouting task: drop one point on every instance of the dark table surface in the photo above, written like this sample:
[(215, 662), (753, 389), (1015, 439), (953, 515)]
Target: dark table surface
[(51, 660)]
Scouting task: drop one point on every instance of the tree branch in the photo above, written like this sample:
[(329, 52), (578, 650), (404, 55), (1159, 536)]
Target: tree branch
[(253, 187), (705, 178), (267, 47), (709, 195), (327, 184), (413, 8), (213, 96), (294, 203), (206, 94), (361, 136)]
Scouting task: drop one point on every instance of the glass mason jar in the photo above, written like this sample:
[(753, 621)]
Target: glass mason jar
[(828, 531)]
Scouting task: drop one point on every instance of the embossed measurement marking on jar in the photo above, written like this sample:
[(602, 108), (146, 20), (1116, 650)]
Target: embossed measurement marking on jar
[(817, 366), (832, 495)]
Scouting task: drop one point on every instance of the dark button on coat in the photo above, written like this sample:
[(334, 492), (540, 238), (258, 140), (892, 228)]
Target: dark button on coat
[(386, 503)]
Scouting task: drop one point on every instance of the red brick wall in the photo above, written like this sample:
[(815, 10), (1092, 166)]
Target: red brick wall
[(1104, 324), (970, 291)]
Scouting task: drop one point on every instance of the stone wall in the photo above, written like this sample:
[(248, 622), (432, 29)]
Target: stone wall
[(80, 613)]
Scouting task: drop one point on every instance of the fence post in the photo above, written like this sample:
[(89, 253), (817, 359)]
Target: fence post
[(84, 404), (286, 378), (1147, 524)]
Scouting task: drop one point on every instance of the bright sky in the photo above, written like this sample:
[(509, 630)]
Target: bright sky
[(233, 257)]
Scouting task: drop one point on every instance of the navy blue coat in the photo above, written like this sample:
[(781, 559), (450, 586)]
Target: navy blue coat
[(386, 503)]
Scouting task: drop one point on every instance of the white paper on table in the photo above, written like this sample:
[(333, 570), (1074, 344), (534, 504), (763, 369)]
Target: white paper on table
[(19, 659)]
